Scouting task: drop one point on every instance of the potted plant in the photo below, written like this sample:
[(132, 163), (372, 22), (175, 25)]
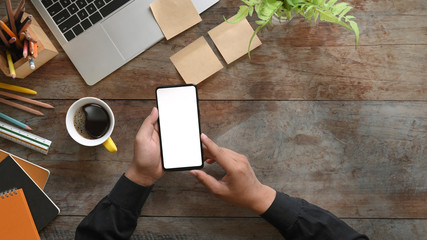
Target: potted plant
[(313, 10)]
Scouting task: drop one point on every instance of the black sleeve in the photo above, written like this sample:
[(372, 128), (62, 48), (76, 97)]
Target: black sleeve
[(295, 218), (116, 215)]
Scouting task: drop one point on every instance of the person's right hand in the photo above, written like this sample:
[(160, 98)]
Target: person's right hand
[(239, 186)]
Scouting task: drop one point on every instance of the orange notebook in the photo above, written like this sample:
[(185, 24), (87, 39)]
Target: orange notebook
[(37, 173), (15, 217)]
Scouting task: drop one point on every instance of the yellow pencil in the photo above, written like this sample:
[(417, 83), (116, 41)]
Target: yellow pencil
[(11, 66), (17, 88)]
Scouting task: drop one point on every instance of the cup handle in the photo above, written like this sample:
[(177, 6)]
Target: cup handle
[(110, 146)]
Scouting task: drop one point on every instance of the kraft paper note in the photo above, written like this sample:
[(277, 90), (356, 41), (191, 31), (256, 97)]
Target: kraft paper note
[(232, 40), (175, 16), (196, 62)]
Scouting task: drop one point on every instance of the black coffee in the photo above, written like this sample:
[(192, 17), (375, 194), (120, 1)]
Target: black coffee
[(91, 121)]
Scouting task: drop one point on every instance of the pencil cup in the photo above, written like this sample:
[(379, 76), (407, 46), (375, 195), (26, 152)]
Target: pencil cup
[(74, 127), (46, 51)]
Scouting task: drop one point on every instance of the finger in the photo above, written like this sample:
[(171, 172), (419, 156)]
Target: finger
[(208, 181), (220, 155), (149, 124), (210, 161)]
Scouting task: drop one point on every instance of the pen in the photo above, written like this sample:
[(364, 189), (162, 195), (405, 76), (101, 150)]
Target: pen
[(14, 121), (17, 88), (11, 66)]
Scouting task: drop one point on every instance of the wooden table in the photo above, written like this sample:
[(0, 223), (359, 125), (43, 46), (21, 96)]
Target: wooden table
[(343, 128)]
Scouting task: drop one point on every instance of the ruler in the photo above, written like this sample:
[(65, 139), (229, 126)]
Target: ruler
[(24, 138)]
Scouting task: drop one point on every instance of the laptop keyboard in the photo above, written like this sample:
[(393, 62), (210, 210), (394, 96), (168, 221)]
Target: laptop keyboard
[(75, 16)]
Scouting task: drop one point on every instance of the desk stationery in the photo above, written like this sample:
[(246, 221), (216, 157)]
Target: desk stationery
[(343, 128)]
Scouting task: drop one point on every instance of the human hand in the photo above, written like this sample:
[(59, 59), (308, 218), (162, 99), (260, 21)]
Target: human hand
[(146, 166), (239, 186)]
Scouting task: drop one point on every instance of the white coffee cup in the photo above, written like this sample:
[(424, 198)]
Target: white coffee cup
[(105, 139)]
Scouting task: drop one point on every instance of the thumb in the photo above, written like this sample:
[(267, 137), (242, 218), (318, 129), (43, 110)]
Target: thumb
[(210, 182)]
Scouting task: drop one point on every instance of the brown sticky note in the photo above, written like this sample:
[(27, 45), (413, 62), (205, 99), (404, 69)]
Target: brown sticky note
[(196, 62), (232, 40), (175, 16)]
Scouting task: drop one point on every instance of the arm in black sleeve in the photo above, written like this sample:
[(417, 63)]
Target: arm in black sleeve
[(295, 218), (115, 216)]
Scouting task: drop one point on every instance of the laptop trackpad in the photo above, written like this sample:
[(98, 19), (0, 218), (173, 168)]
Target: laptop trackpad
[(133, 30)]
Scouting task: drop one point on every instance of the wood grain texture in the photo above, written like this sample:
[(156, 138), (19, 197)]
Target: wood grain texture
[(63, 228), (297, 61), (370, 156), (343, 128)]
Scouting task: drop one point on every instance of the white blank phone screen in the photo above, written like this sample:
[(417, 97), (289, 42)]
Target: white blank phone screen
[(179, 127)]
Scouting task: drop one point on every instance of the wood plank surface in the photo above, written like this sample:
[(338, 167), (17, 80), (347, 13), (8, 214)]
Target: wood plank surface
[(370, 156), (63, 228), (343, 128), (297, 61)]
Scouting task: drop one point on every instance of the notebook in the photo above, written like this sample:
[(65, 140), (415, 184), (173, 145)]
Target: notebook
[(42, 208), (99, 36), (37, 173), (15, 217)]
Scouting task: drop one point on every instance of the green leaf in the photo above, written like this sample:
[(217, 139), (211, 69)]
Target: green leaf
[(241, 14), (355, 28)]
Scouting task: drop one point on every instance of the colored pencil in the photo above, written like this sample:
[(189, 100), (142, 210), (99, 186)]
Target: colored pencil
[(14, 121), (10, 33), (27, 100), (22, 107), (11, 16), (19, 11), (25, 49), (11, 66), (17, 88)]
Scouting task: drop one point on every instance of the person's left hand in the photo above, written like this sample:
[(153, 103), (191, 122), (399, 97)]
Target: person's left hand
[(146, 167)]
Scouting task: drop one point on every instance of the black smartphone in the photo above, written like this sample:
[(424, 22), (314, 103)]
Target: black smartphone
[(179, 127)]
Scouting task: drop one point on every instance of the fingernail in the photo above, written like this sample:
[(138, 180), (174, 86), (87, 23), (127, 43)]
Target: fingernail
[(194, 173), (204, 136)]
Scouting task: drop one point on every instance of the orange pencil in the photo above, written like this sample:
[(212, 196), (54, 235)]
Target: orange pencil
[(22, 107), (36, 51), (10, 33), (24, 99)]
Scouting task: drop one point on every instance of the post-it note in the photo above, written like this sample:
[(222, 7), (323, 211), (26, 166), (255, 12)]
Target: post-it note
[(232, 39), (196, 62), (175, 16)]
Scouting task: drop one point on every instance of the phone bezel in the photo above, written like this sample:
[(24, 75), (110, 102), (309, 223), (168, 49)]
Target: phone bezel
[(160, 131)]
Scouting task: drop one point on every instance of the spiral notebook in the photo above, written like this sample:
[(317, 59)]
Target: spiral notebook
[(15, 217), (41, 206)]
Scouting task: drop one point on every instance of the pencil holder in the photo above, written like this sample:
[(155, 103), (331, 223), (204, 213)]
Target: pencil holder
[(46, 51)]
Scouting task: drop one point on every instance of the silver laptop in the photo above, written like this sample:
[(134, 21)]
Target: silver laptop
[(100, 36)]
